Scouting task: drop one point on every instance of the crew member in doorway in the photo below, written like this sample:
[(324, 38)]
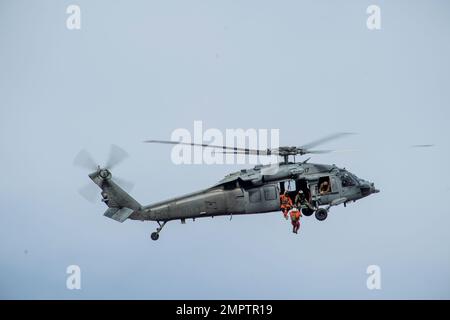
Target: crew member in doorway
[(301, 201), (324, 187), (295, 218), (285, 203)]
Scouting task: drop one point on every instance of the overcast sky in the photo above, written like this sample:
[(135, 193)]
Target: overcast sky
[(139, 70)]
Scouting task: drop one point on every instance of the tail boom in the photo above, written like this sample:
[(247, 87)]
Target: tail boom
[(120, 204)]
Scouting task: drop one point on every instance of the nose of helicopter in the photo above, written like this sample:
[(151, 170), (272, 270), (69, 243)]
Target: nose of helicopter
[(368, 188)]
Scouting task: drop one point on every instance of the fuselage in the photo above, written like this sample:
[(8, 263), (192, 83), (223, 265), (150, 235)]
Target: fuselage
[(257, 190)]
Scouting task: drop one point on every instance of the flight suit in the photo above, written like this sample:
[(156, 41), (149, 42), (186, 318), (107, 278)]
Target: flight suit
[(295, 219), (286, 204), (301, 202)]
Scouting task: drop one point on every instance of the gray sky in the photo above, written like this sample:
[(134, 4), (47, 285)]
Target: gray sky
[(140, 69)]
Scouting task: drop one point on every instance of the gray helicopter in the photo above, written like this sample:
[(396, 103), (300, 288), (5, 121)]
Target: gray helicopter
[(247, 191)]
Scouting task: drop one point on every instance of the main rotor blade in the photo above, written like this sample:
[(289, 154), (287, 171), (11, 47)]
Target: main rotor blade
[(84, 160), (90, 192), (318, 151), (249, 152), (325, 139), (281, 151), (116, 156), (233, 149), (331, 151), (422, 145)]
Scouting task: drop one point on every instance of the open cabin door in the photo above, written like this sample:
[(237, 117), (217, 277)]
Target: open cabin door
[(332, 194)]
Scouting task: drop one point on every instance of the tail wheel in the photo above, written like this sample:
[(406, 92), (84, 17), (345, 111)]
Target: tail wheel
[(155, 236), (321, 214)]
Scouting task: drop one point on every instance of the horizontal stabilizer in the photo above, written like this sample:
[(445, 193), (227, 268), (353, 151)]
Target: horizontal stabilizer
[(118, 214)]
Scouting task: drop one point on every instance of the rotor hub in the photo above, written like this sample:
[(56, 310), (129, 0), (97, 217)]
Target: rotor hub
[(104, 173)]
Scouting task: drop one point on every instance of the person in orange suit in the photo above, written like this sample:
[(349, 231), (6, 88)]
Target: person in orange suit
[(295, 219), (285, 203)]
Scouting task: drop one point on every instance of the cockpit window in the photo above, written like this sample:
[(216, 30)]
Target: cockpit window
[(347, 180)]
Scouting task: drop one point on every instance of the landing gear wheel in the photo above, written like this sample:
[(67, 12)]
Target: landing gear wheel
[(321, 214), (155, 236), (307, 211)]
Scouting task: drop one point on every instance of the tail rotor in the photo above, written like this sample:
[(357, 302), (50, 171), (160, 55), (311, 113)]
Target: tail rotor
[(98, 174)]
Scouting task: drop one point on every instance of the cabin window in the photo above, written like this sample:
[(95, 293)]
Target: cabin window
[(254, 195), (324, 185), (270, 193), (290, 185)]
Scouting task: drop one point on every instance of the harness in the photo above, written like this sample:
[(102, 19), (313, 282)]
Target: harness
[(295, 215)]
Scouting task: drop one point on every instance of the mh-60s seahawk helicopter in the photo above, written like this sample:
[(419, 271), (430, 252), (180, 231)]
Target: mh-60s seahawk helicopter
[(247, 191)]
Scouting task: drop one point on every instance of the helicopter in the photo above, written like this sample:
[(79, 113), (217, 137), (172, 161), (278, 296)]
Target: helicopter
[(247, 191)]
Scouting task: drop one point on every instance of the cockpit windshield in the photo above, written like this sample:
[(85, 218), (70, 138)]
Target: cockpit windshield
[(348, 179)]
